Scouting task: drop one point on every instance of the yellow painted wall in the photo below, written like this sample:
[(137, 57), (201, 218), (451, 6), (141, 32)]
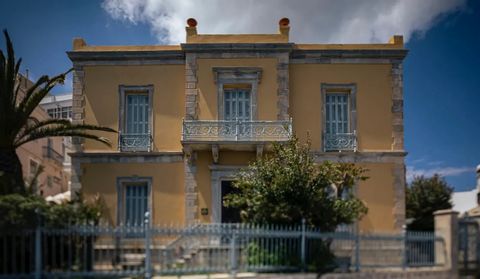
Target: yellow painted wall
[(378, 194), (374, 99), (167, 187), (102, 100), (266, 94)]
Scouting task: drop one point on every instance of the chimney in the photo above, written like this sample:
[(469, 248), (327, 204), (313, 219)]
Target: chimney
[(78, 43), (284, 26), (478, 184), (191, 27)]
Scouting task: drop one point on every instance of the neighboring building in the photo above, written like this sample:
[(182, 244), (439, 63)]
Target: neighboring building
[(190, 116), (46, 153), (467, 203), (60, 107)]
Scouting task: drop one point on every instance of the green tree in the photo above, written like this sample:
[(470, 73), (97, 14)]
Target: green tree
[(18, 127), (287, 186), (425, 196)]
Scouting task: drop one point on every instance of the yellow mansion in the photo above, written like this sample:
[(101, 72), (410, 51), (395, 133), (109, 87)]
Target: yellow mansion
[(189, 116)]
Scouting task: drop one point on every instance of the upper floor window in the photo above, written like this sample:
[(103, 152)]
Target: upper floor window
[(339, 133), (237, 104), (135, 131), (60, 112)]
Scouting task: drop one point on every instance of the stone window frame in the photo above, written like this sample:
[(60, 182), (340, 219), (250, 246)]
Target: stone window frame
[(123, 90), (121, 181), (351, 89), (217, 175), (237, 75)]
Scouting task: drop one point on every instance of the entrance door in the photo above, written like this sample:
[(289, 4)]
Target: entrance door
[(229, 215)]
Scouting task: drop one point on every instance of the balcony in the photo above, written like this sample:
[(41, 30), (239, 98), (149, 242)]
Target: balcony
[(235, 131), (233, 135), (50, 153), (135, 142), (340, 142)]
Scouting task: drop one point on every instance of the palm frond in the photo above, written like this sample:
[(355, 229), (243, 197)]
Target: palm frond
[(33, 125), (72, 130)]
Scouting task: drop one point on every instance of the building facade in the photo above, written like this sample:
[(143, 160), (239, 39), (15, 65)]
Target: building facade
[(189, 116), (60, 107), (46, 154)]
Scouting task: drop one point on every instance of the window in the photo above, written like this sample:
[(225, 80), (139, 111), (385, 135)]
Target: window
[(32, 174), (237, 104), (135, 117), (133, 200), (49, 181), (240, 86), (337, 116), (136, 204), (137, 120), (339, 111), (60, 112)]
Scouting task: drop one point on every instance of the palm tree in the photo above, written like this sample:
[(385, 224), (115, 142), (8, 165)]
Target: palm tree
[(18, 127)]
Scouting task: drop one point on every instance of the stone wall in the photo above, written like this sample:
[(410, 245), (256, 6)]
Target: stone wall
[(397, 274)]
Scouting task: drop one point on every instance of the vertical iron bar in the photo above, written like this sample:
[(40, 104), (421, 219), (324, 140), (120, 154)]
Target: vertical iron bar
[(233, 256), (302, 249), (38, 252), (148, 266), (357, 248)]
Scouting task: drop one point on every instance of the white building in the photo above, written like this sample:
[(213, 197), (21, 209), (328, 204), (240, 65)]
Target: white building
[(60, 107), (467, 202)]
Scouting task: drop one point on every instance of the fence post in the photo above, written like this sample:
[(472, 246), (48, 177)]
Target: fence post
[(233, 255), (148, 265), (302, 248), (404, 247), (446, 226), (357, 249)]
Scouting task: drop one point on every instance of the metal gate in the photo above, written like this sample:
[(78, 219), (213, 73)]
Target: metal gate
[(469, 247)]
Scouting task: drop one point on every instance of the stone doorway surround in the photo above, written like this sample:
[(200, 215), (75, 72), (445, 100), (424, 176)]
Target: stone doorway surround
[(217, 174)]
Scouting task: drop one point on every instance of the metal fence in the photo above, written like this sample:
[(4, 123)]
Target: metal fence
[(204, 248), (469, 247)]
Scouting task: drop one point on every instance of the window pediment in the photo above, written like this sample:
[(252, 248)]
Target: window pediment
[(237, 74)]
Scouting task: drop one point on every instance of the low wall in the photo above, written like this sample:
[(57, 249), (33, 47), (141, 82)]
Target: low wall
[(424, 273)]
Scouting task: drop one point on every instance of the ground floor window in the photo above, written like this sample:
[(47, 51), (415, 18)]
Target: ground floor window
[(134, 201)]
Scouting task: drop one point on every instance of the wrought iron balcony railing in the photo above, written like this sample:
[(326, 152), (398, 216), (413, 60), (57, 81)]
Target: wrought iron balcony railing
[(135, 142), (49, 152), (340, 142), (236, 131)]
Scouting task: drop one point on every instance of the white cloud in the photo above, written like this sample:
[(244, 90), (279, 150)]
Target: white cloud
[(320, 21), (442, 171)]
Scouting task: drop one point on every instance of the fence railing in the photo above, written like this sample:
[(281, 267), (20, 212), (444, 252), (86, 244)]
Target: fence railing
[(203, 248), (235, 130), (340, 141), (135, 142)]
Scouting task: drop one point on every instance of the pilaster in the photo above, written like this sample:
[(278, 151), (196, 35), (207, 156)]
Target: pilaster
[(191, 91), (397, 106), (191, 191), (283, 90)]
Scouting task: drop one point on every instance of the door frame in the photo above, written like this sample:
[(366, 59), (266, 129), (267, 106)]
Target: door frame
[(217, 175), (250, 76)]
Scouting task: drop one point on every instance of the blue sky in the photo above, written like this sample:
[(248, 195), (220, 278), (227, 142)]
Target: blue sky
[(442, 99)]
